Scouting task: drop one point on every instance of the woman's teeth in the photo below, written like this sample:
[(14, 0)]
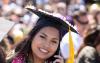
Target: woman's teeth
[(43, 50)]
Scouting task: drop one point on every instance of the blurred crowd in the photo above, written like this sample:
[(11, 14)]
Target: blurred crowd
[(85, 18)]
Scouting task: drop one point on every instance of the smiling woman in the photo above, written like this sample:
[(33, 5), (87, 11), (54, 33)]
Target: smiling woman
[(45, 43), (42, 44)]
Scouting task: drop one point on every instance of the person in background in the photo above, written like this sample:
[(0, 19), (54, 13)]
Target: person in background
[(62, 9), (81, 22), (89, 52)]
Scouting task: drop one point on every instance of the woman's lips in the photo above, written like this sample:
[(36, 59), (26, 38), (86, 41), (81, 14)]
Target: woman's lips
[(43, 50)]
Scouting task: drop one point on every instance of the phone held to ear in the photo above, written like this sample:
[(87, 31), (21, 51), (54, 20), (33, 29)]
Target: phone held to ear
[(58, 58)]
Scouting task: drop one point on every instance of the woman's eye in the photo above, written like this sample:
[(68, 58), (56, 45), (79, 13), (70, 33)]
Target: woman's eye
[(42, 36), (54, 42)]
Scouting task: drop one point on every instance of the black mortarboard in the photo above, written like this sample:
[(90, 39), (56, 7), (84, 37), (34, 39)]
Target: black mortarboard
[(52, 20)]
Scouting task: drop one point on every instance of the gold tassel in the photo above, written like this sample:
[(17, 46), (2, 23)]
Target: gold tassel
[(71, 49)]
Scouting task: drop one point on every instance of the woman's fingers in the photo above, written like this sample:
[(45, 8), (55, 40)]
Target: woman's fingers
[(59, 59)]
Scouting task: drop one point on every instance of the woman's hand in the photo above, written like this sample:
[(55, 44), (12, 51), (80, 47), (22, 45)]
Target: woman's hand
[(59, 59)]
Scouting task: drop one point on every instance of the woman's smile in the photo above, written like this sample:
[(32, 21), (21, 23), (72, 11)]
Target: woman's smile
[(45, 51)]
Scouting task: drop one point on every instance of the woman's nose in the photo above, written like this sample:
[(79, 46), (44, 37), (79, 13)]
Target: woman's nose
[(47, 44)]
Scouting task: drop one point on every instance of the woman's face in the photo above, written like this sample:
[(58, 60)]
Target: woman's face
[(45, 42)]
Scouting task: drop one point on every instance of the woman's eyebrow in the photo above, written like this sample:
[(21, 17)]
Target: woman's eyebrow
[(46, 36), (43, 34)]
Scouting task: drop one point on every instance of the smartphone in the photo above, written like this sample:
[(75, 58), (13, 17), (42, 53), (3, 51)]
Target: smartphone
[(54, 58)]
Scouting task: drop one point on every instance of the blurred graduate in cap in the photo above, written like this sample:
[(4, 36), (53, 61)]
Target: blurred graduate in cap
[(42, 44)]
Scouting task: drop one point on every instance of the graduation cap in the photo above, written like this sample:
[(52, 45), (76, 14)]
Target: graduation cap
[(48, 18)]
